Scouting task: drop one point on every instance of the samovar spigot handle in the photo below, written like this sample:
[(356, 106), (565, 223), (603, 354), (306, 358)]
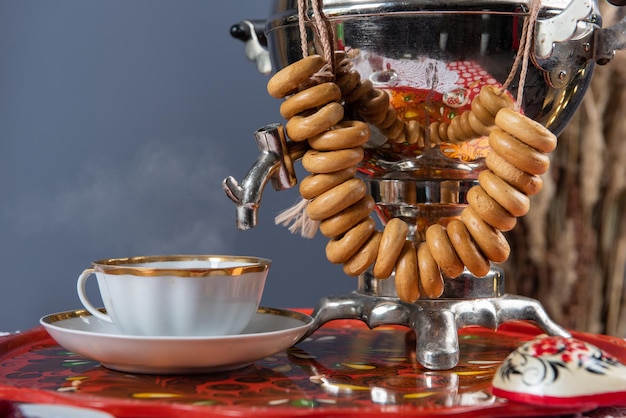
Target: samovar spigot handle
[(252, 34), (275, 162)]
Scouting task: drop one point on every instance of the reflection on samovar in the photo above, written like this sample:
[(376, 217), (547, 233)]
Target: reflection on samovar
[(433, 60)]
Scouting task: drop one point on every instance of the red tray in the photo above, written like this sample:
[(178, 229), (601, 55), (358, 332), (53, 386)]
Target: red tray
[(343, 370)]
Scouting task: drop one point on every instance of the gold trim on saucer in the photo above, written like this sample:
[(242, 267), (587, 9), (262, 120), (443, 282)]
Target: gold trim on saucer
[(286, 313), (78, 313), (60, 316)]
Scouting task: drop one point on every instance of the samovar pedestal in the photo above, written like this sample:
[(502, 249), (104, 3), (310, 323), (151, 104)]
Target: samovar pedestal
[(467, 301)]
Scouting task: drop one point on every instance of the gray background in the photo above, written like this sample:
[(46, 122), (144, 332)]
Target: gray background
[(118, 121)]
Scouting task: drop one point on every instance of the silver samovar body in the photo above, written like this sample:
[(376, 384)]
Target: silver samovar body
[(432, 57)]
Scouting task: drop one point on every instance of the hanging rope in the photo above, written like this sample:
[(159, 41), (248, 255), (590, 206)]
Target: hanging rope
[(324, 31), (524, 57), (302, 27), (295, 216)]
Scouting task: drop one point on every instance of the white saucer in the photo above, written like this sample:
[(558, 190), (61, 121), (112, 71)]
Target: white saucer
[(270, 331)]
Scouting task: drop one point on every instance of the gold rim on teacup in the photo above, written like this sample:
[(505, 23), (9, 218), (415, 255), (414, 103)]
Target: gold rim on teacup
[(136, 265)]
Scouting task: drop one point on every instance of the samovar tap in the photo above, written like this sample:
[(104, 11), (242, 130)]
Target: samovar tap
[(275, 163)]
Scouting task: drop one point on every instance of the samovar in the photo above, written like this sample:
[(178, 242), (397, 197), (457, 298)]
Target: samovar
[(432, 57)]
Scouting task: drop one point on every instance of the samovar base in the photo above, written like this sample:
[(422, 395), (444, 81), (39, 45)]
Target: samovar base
[(466, 301)]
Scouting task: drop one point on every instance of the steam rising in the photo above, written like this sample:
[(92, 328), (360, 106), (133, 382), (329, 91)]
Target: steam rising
[(165, 198)]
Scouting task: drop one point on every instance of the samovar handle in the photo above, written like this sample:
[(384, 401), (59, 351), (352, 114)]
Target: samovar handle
[(609, 40), (560, 46)]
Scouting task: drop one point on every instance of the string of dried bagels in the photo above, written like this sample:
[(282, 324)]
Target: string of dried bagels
[(316, 106)]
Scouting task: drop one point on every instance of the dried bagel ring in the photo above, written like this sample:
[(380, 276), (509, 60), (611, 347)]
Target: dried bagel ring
[(490, 240), (451, 134), (361, 90), (414, 133), (311, 98), (443, 251), (348, 81), (289, 78), (377, 104), (340, 223), (390, 118), (480, 120), (517, 153), (478, 126), (442, 129), (431, 280), (526, 130), (339, 250), (346, 134), (407, 275), (394, 234), (481, 113), (493, 100), (400, 138), (467, 127), (394, 130), (336, 199), (301, 127), (364, 257), (330, 161), (489, 209), (458, 132), (511, 199), (466, 249), (373, 105), (316, 184), (375, 118), (437, 135), (522, 181)]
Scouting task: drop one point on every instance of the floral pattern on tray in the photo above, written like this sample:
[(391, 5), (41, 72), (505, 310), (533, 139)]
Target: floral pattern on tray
[(344, 368)]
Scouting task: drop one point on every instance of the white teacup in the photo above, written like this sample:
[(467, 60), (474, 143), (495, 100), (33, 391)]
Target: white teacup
[(177, 295)]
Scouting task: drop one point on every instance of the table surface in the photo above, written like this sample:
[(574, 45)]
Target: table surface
[(344, 369)]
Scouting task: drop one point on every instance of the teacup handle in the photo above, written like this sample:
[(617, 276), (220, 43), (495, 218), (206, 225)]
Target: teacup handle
[(82, 294)]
